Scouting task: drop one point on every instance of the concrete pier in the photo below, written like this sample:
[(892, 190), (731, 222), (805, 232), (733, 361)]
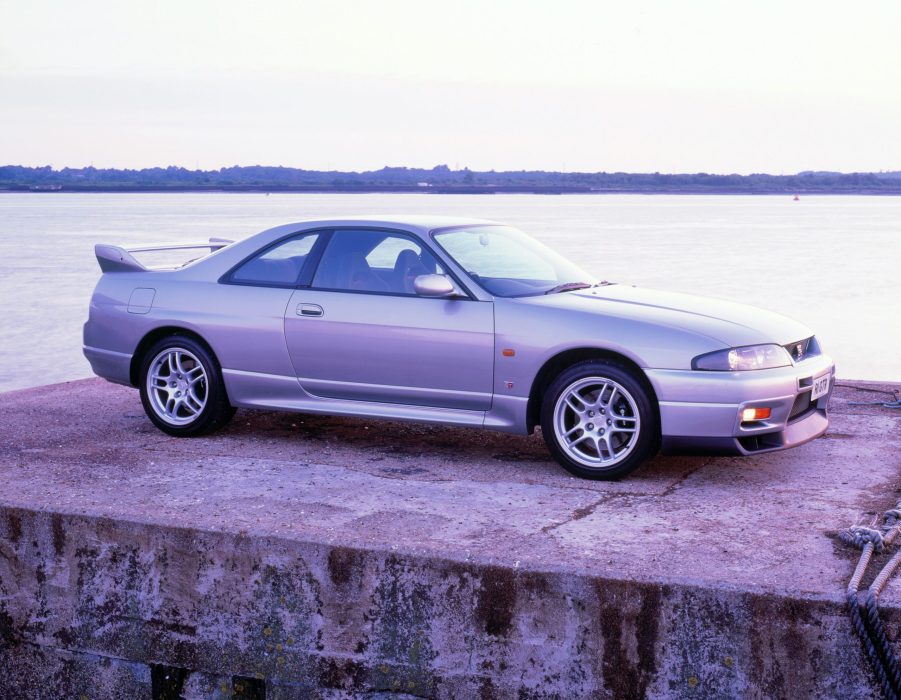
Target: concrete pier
[(293, 556)]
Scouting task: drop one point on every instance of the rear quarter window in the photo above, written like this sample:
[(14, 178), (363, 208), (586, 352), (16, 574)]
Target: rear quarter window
[(278, 266)]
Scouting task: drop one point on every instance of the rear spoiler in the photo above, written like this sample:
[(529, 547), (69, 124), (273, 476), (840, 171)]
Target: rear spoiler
[(112, 258)]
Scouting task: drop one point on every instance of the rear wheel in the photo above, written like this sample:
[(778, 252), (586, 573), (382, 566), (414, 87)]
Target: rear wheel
[(598, 420), (181, 388)]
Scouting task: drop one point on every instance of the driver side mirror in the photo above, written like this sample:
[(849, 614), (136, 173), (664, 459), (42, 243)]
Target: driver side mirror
[(434, 286)]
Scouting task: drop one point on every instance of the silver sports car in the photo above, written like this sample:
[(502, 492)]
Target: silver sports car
[(453, 321)]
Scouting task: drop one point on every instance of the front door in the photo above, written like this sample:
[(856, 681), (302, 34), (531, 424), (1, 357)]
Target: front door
[(360, 331)]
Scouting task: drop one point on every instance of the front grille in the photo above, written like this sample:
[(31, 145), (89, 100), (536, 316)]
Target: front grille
[(801, 405), (800, 349)]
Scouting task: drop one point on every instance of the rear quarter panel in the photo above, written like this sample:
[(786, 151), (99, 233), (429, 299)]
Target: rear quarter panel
[(243, 325), (110, 326)]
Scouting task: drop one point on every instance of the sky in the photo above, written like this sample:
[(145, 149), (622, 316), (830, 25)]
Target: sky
[(640, 86)]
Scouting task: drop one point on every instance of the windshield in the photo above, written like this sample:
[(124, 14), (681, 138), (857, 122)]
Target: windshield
[(508, 263)]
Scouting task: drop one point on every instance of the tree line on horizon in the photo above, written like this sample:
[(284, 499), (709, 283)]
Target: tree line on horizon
[(441, 178)]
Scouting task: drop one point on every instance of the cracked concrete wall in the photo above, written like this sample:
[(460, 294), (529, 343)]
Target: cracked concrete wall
[(89, 607)]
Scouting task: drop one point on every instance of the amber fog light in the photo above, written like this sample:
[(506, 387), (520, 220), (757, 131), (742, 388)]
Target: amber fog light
[(751, 414)]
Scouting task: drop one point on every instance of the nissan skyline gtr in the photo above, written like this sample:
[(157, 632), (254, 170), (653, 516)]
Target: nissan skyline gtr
[(451, 321)]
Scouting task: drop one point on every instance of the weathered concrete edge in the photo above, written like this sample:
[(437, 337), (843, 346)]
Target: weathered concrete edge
[(478, 559), (312, 616)]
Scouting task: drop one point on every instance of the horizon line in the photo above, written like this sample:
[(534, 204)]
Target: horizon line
[(443, 167)]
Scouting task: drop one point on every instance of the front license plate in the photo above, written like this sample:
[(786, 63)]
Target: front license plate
[(820, 387)]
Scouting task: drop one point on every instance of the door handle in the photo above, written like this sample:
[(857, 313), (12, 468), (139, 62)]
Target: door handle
[(309, 310)]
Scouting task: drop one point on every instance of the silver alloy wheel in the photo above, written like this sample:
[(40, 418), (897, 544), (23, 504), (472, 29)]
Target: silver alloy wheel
[(596, 422), (177, 386)]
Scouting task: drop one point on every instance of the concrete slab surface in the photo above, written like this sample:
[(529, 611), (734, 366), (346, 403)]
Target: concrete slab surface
[(761, 526)]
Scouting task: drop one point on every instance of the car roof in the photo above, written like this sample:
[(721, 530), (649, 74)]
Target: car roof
[(420, 223), (417, 224)]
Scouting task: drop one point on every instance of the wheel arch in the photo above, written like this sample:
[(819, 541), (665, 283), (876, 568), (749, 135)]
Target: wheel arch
[(155, 336), (559, 362)]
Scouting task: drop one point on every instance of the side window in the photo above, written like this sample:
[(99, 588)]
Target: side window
[(373, 261), (385, 254), (279, 266)]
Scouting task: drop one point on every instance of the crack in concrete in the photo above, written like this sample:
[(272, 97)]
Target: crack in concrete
[(580, 513), (679, 480)]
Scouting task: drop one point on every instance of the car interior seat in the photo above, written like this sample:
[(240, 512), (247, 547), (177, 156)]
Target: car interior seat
[(407, 268), (354, 273)]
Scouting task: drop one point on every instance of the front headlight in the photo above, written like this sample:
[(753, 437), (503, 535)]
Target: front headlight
[(748, 357)]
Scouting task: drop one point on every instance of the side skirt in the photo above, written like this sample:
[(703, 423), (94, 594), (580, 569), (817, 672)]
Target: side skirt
[(281, 393)]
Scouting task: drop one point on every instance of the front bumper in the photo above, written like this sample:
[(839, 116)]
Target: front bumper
[(700, 412)]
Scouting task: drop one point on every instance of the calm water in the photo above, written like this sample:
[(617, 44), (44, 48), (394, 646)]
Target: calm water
[(832, 262)]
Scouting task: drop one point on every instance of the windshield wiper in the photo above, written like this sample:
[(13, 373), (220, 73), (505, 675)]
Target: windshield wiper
[(568, 287)]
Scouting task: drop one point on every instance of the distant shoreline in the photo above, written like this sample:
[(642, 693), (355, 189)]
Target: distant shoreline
[(882, 192), (438, 180)]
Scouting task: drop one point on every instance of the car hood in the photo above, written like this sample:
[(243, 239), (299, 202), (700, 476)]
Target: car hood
[(728, 322)]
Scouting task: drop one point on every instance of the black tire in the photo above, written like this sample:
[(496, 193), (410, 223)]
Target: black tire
[(187, 377), (594, 439)]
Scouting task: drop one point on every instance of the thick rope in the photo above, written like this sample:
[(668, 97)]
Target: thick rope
[(861, 536), (870, 628), (880, 640), (877, 629), (888, 690), (860, 627)]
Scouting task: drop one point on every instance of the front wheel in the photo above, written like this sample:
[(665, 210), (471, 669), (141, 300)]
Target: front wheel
[(182, 389), (598, 420)]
